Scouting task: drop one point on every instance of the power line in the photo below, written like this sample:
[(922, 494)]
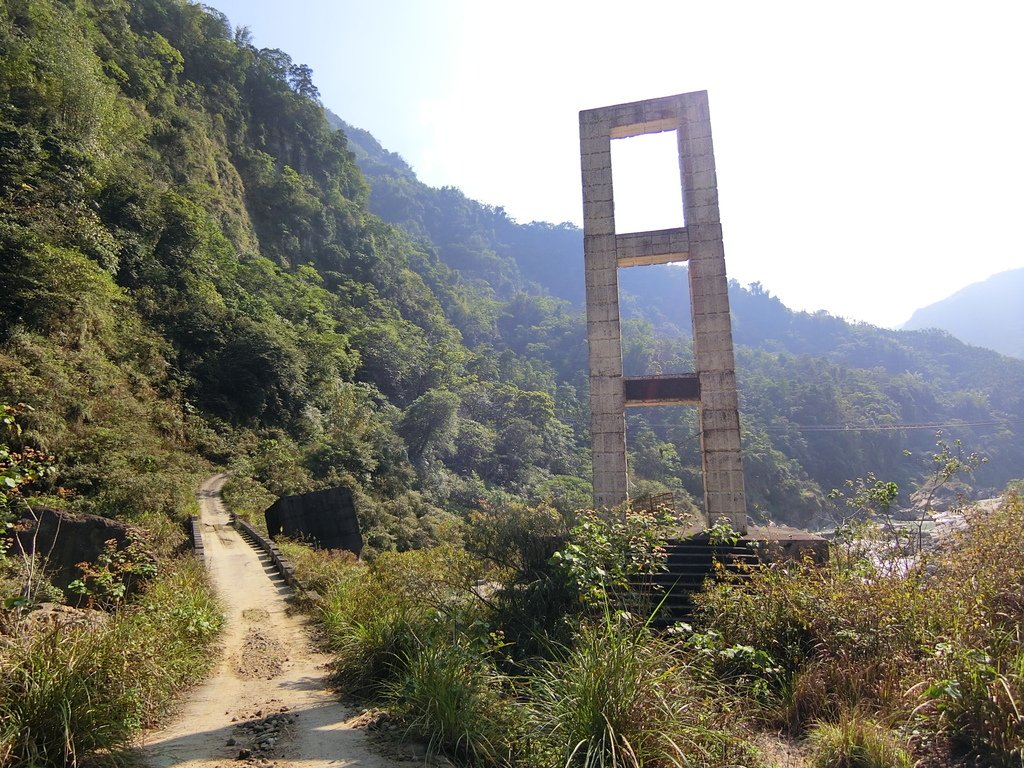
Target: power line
[(890, 427)]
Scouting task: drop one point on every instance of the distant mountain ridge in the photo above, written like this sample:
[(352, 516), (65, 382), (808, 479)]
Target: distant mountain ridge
[(987, 314)]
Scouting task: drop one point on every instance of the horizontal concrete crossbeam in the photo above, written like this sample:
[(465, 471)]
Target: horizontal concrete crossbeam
[(667, 389), (663, 246)]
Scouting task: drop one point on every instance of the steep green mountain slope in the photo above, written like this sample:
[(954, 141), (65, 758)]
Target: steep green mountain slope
[(988, 314), (189, 265)]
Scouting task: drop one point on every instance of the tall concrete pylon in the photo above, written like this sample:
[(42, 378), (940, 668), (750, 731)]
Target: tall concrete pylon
[(713, 386)]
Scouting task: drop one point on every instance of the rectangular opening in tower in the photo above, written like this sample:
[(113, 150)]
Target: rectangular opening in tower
[(646, 180), (664, 453)]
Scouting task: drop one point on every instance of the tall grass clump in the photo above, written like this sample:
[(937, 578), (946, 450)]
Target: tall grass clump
[(377, 616), (856, 741), (319, 570), (971, 690), (451, 697), (167, 633), (65, 693), (70, 691), (623, 698)]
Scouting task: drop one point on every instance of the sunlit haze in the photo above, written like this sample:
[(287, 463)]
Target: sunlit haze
[(869, 154)]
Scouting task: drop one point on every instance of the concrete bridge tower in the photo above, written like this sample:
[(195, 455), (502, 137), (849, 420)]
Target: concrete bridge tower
[(712, 387)]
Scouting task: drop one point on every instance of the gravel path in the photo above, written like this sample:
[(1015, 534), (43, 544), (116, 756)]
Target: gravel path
[(266, 703)]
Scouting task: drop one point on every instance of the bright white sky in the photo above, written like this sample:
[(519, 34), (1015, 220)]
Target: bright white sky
[(870, 154)]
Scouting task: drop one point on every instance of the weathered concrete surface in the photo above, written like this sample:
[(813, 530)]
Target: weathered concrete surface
[(63, 539), (326, 518), (699, 243), (776, 543)]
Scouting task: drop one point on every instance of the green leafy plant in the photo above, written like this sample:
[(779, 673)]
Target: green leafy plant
[(450, 696), (722, 533), (105, 582), (606, 550)]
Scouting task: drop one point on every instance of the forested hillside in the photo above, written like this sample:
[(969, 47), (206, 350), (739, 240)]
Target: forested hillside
[(189, 266), (195, 269)]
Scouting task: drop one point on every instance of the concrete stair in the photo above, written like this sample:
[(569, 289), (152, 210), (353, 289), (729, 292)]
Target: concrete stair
[(689, 563)]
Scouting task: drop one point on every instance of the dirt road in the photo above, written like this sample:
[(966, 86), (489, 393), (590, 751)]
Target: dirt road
[(266, 703)]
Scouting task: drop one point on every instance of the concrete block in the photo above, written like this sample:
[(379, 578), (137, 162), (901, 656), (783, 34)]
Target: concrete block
[(725, 481), (697, 164), (695, 180), (604, 366), (726, 461), (602, 226), (600, 174), (717, 381), (713, 322), (601, 257), (720, 419), (726, 503), (598, 244), (718, 400), (708, 269), (703, 213), (712, 342), (601, 280), (710, 304), (694, 146), (603, 294), (610, 442), (715, 360), (596, 127), (603, 330), (595, 162), (702, 206), (719, 440), (596, 145), (602, 312), (695, 129), (597, 193), (327, 518), (702, 232)]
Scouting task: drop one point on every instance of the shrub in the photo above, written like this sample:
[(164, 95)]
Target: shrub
[(978, 703), (532, 603), (605, 550), (377, 616), (838, 635)]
